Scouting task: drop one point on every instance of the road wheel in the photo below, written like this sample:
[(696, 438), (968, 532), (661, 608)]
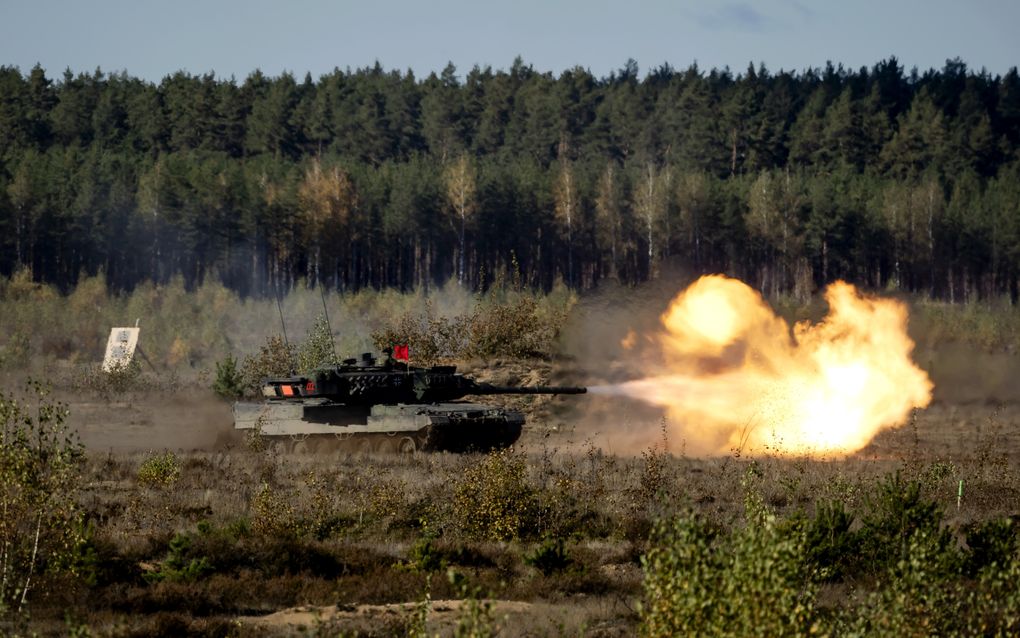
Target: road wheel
[(407, 445), (279, 445), (302, 445), (364, 445)]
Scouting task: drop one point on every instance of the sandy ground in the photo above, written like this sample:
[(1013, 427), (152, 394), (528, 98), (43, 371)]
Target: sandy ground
[(511, 618), (154, 422)]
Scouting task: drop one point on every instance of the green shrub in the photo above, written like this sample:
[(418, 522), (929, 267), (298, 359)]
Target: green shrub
[(493, 499), (15, 353), (515, 329), (476, 618), (654, 481), (179, 565), (229, 383), (416, 623), (549, 557), (424, 556), (322, 519), (895, 515), (993, 607), (160, 470), (254, 439), (916, 597), (831, 546), (317, 350), (751, 582), (575, 494), (990, 543), (990, 324)]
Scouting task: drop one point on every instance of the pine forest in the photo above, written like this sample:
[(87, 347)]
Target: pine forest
[(375, 178)]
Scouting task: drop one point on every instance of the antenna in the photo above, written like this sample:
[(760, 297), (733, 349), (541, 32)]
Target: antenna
[(283, 325), (325, 311)]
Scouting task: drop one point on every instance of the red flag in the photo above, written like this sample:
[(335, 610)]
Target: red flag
[(402, 353)]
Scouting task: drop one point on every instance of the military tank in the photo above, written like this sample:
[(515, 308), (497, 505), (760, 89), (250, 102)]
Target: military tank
[(369, 405)]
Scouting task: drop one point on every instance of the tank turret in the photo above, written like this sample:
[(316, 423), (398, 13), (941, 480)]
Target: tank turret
[(366, 382)]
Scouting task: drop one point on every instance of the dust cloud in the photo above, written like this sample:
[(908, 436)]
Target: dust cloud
[(604, 335), (153, 422)]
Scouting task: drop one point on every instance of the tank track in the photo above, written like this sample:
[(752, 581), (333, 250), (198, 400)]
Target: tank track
[(324, 427)]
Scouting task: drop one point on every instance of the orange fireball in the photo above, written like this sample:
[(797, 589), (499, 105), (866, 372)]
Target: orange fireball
[(739, 379)]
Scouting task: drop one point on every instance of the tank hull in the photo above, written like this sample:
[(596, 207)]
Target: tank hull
[(315, 425)]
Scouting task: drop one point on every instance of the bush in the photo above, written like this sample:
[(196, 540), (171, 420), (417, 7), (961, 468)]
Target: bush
[(549, 557), (897, 514), (317, 350), (516, 327), (991, 543), (752, 582), (493, 500), (274, 359), (17, 351), (120, 379), (323, 518), (160, 470), (178, 566), (993, 608), (228, 383), (476, 618), (424, 556), (431, 338), (831, 546), (917, 598), (273, 515)]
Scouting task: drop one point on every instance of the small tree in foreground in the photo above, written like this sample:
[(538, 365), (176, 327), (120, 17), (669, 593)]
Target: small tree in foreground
[(41, 526)]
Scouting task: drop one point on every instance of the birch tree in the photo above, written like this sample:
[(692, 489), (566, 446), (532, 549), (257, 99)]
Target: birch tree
[(609, 215), (326, 199), (650, 206), (566, 198), (460, 196), (41, 524)]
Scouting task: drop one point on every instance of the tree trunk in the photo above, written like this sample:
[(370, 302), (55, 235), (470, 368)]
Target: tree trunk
[(614, 272), (570, 254), (951, 283), (733, 152), (18, 230), (460, 267), (825, 261), (931, 241), (254, 267)]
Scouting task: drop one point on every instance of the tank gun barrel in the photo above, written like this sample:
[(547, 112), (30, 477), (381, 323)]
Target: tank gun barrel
[(485, 388)]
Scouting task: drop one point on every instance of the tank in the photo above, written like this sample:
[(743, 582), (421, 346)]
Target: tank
[(369, 405)]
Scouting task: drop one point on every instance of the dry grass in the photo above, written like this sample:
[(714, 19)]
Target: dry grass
[(185, 333), (347, 530), (193, 530)]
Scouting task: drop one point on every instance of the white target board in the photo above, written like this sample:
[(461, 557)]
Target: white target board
[(120, 348)]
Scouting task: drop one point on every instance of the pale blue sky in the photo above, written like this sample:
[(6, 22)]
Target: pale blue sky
[(233, 37)]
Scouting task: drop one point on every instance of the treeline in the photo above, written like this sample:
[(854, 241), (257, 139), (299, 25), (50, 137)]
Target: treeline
[(374, 178)]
